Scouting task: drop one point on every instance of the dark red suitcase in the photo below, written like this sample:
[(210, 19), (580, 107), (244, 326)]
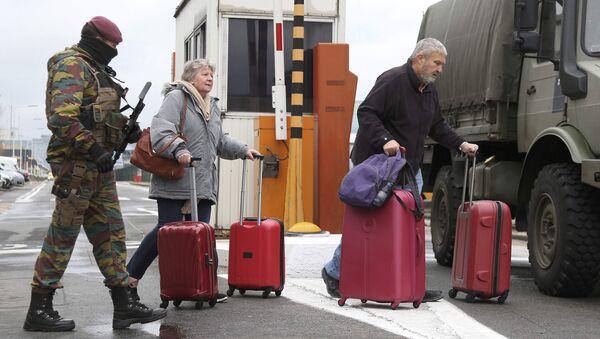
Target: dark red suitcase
[(186, 260), (482, 250), (256, 251), (383, 253)]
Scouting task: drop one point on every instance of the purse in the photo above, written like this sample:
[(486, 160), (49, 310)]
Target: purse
[(144, 157)]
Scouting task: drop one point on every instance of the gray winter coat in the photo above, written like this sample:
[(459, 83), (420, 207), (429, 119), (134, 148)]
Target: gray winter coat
[(205, 139)]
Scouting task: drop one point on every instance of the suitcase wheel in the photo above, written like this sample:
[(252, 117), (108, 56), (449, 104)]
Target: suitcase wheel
[(470, 298), (199, 304), (503, 297), (278, 293), (242, 291), (266, 292), (395, 305), (342, 301), (164, 304), (452, 293), (364, 301), (416, 304), (230, 291), (176, 303), (212, 302)]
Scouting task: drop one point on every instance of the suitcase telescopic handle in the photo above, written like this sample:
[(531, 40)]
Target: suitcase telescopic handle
[(243, 193), (193, 198), (472, 185)]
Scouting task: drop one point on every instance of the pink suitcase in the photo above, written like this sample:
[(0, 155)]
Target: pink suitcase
[(383, 253), (482, 251), (186, 260), (256, 251)]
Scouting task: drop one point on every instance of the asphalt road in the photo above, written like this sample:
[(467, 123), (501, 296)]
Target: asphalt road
[(303, 310)]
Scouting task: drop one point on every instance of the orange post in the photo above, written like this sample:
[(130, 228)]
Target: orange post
[(273, 190), (334, 90)]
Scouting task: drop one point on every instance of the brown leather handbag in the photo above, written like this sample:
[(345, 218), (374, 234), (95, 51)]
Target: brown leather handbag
[(146, 158)]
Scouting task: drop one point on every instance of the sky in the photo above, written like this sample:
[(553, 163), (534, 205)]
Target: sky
[(381, 35)]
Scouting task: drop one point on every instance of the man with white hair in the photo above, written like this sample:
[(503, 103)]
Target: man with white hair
[(402, 109)]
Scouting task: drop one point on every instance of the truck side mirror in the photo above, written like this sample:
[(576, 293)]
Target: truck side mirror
[(526, 42), (526, 15)]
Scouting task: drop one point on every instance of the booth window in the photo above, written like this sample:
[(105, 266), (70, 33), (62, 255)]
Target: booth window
[(251, 69), (195, 44)]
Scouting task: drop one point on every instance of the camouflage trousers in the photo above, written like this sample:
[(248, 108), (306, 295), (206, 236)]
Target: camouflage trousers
[(95, 206)]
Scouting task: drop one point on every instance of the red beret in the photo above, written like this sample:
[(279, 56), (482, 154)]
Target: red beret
[(107, 29)]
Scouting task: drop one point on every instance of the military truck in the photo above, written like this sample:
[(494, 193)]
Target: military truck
[(522, 80)]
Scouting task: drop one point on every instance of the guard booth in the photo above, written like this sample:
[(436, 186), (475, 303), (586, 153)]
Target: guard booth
[(237, 36)]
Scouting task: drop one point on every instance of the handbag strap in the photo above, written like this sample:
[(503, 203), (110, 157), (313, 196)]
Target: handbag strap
[(181, 126), (182, 115), (409, 180)]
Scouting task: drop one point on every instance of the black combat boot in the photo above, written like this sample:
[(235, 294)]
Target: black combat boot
[(133, 293), (42, 316), (129, 311)]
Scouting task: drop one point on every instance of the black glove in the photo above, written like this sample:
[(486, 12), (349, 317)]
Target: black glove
[(134, 135), (102, 158)]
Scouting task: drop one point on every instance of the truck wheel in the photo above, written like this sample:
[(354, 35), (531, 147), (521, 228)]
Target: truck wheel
[(446, 200), (564, 232)]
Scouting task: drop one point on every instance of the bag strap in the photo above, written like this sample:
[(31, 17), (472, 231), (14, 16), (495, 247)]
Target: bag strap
[(409, 179), (182, 115), (180, 134)]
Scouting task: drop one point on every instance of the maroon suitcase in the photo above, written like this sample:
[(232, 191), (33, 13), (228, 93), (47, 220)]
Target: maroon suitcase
[(482, 250), (383, 252), (256, 251), (186, 259)]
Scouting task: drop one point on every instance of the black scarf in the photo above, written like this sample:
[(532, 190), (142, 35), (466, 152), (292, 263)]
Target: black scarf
[(98, 50)]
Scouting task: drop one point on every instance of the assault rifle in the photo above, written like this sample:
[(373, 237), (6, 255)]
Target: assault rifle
[(132, 121)]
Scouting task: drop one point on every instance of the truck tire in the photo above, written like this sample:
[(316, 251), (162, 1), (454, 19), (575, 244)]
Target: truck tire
[(564, 232), (445, 202)]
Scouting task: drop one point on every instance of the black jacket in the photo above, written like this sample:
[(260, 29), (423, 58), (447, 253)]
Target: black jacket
[(396, 109)]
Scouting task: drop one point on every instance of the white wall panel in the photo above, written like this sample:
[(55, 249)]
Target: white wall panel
[(311, 7), (230, 175)]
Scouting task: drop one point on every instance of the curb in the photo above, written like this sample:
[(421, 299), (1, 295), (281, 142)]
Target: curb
[(140, 183)]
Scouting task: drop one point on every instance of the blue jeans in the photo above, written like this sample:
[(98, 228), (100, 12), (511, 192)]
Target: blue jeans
[(333, 266), (169, 210)]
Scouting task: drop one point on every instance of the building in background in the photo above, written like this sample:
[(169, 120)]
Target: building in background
[(237, 36)]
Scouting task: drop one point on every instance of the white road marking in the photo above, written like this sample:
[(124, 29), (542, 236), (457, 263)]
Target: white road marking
[(12, 246), (135, 186), (431, 320), (20, 251), (148, 211), (124, 198), (48, 216), (130, 244), (29, 195)]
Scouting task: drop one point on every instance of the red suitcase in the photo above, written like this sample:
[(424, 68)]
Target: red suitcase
[(482, 251), (256, 251), (383, 252), (186, 260)]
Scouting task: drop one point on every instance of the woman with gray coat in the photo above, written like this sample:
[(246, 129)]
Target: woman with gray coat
[(204, 138)]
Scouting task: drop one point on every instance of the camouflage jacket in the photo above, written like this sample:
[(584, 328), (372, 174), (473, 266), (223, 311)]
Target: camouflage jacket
[(71, 92)]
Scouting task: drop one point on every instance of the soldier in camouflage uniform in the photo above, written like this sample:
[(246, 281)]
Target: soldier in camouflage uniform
[(82, 108)]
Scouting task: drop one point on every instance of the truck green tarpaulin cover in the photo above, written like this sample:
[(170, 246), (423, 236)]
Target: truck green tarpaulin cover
[(481, 65)]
